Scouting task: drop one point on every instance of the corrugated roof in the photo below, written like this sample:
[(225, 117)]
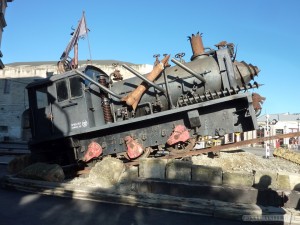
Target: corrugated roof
[(280, 117)]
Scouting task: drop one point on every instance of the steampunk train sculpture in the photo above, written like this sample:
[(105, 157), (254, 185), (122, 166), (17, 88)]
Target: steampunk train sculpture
[(82, 115)]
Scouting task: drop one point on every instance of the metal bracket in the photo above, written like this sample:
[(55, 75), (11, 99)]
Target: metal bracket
[(226, 69)]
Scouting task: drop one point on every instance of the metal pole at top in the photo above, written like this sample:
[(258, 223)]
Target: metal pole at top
[(267, 135), (87, 35), (298, 141)]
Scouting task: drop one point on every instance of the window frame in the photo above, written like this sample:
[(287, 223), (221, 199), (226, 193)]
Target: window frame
[(44, 96), (81, 82), (70, 94), (59, 99)]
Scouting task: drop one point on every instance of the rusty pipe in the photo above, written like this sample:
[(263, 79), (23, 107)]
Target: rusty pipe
[(133, 98), (143, 78), (197, 45)]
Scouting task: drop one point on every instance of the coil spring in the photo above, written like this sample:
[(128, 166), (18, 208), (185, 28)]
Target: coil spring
[(103, 82), (108, 118), (106, 111)]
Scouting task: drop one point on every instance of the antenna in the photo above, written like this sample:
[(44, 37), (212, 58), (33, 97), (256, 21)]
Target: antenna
[(87, 35)]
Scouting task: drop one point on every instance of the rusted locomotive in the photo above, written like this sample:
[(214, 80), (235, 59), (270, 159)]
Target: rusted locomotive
[(82, 115)]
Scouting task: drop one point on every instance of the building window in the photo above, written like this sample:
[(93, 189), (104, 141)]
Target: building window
[(3, 129), (7, 84)]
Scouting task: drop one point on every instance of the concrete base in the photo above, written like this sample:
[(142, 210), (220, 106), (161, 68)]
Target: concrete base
[(178, 170), (263, 197), (138, 196), (283, 181), (265, 179), (207, 174), (238, 179), (152, 168)]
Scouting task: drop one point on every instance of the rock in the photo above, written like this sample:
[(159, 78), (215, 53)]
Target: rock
[(19, 163), (43, 171), (107, 172), (129, 174)]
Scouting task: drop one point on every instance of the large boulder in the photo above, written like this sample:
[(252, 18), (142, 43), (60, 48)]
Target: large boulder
[(107, 172), (19, 163), (43, 171)]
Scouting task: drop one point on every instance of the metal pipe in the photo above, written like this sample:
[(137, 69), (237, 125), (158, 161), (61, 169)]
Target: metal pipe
[(103, 88), (189, 70), (168, 90), (197, 45), (143, 78)]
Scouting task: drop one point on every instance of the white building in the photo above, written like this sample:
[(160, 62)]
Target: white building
[(274, 124)]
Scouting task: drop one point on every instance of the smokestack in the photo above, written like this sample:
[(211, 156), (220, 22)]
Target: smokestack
[(197, 45)]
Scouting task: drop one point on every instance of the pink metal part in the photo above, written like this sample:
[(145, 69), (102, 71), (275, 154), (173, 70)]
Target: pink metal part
[(180, 133), (94, 151), (134, 149)]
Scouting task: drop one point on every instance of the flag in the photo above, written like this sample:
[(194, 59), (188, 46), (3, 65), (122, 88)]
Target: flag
[(82, 27), (80, 32)]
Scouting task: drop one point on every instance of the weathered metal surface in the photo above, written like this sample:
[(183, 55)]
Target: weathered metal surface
[(197, 45), (180, 134), (219, 148), (134, 97), (134, 149), (94, 151), (207, 95)]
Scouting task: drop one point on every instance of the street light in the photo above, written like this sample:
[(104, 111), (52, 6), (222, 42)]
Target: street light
[(267, 135), (298, 119), (261, 129)]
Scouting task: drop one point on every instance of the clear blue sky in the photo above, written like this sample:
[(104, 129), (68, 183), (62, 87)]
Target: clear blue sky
[(266, 32)]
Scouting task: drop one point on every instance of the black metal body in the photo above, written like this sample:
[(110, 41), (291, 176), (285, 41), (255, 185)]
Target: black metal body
[(207, 95)]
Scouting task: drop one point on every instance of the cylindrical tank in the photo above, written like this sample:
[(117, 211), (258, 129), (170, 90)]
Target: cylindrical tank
[(181, 82), (214, 71)]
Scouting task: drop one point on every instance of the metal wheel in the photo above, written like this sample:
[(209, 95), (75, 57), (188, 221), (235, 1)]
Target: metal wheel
[(182, 147)]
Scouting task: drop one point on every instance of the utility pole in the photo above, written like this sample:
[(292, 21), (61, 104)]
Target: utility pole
[(267, 135), (298, 141)]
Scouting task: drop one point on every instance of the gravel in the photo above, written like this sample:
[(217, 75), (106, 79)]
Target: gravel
[(245, 161)]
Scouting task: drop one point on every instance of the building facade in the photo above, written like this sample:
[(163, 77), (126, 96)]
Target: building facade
[(14, 100), (284, 123), (3, 24)]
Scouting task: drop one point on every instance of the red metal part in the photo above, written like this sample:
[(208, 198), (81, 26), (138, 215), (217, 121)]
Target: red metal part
[(134, 149), (180, 133), (94, 151), (257, 101)]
